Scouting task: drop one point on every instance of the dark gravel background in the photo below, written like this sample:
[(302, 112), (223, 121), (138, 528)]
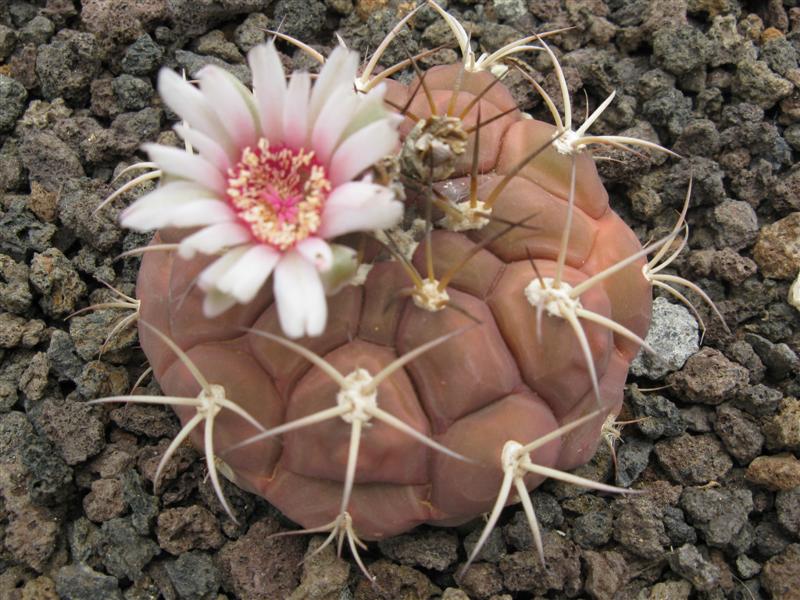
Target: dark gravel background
[(717, 80)]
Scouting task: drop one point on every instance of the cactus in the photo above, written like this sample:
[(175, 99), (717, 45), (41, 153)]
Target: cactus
[(445, 371)]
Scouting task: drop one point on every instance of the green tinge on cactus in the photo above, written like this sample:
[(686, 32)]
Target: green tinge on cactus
[(438, 386)]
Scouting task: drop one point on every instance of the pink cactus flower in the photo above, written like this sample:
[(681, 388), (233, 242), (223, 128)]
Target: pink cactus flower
[(273, 179)]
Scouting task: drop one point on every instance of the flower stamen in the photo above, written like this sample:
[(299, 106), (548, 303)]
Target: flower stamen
[(278, 193)]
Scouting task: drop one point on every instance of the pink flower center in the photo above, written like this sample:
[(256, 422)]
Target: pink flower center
[(278, 193)]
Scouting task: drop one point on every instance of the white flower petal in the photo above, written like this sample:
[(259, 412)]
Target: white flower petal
[(362, 149), (215, 303), (210, 276), (336, 113), (181, 164), (212, 239), (269, 86), (148, 212), (200, 212), (339, 70), (206, 146), (148, 218), (193, 107), (300, 297), (360, 206), (295, 110), (245, 278), (371, 108), (317, 252), (232, 103)]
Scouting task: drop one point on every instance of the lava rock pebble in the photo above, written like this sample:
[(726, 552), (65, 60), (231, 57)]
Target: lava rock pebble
[(787, 503), (606, 573), (780, 575), (758, 400), (593, 529), (263, 568), (777, 251), (194, 575), (680, 49), (435, 550), (678, 530), (708, 377), (67, 65), (324, 573), (632, 459), (523, 571), (191, 528), (123, 551), (740, 433), (657, 416), (639, 526), (79, 582), (783, 430), (719, 514), (674, 332), (12, 102), (693, 459), (779, 472), (142, 57), (687, 562)]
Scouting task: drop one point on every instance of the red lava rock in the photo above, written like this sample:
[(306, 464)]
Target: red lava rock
[(435, 550), (149, 420), (325, 574), (780, 575), (31, 531), (639, 526), (709, 377), (777, 251), (259, 567), (150, 457), (523, 571), (740, 433), (74, 427), (606, 572), (783, 430), (395, 581), (482, 580), (191, 528), (105, 501), (779, 472), (121, 21), (693, 459), (113, 460)]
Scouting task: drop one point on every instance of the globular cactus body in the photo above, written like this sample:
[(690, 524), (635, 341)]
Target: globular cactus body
[(498, 380)]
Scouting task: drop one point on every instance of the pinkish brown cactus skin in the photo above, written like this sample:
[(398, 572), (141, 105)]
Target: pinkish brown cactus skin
[(498, 381)]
